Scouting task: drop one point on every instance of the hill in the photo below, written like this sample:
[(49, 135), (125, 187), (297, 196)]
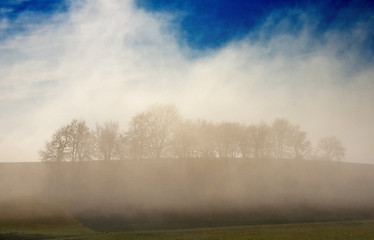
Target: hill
[(175, 193)]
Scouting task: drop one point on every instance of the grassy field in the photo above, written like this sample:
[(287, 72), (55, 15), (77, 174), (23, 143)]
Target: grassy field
[(241, 199), (74, 230)]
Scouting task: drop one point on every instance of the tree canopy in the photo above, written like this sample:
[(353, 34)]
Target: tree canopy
[(161, 132)]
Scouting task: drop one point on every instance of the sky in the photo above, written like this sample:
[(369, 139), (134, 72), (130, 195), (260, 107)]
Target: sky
[(311, 62)]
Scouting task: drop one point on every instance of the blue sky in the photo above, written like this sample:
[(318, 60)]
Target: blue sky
[(246, 61), (205, 24)]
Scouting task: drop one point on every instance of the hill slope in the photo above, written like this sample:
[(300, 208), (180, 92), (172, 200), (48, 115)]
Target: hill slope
[(175, 193)]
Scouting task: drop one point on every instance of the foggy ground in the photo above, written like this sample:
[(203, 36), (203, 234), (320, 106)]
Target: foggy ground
[(174, 193)]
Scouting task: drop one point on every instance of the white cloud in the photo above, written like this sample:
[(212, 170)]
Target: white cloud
[(105, 59)]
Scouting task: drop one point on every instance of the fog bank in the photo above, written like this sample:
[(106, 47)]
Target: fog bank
[(108, 59), (239, 191)]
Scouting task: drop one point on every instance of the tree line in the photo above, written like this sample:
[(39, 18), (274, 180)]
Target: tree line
[(161, 132)]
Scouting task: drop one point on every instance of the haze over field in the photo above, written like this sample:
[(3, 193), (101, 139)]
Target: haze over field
[(179, 193), (109, 59)]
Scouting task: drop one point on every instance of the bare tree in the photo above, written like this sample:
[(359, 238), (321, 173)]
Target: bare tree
[(70, 143), (162, 125), (79, 141), (281, 133), (260, 140), (246, 143), (185, 140), (107, 141), (300, 145), (137, 136), (160, 132), (151, 131), (229, 138), (330, 148), (56, 148), (206, 144)]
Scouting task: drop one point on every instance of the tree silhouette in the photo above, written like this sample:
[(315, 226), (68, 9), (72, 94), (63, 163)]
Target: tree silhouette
[(281, 131), (229, 137), (160, 132), (107, 141), (300, 145), (260, 140), (151, 131), (330, 148), (137, 136), (162, 125), (186, 140), (56, 148), (69, 143)]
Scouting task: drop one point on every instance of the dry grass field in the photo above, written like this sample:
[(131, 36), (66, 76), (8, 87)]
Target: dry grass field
[(187, 199)]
